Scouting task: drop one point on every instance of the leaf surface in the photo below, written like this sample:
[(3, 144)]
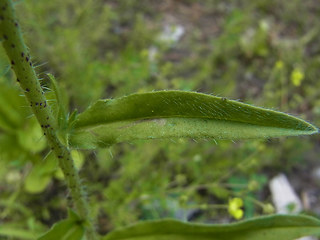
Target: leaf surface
[(172, 114), (40, 175), (68, 229), (284, 227)]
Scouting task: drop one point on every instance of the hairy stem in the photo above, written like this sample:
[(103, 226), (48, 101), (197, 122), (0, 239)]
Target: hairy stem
[(21, 64)]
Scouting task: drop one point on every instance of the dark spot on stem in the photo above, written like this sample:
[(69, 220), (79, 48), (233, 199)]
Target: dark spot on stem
[(22, 54), (13, 46), (40, 104), (12, 62), (16, 24), (27, 59), (5, 37), (37, 104), (18, 80), (47, 118), (41, 125), (1, 18), (60, 156), (27, 90), (44, 134), (30, 64)]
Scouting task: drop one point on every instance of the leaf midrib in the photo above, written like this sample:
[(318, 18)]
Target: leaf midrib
[(92, 125)]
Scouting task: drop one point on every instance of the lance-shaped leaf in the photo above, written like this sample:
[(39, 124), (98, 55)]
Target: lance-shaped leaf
[(282, 227), (69, 229), (170, 114)]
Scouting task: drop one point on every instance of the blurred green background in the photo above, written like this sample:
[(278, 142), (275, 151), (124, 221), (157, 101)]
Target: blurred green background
[(262, 52)]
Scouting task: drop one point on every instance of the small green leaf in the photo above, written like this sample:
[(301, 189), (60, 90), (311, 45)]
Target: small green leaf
[(61, 113), (170, 114), (31, 136), (41, 174), (59, 103), (12, 107), (69, 229), (284, 227), (72, 117)]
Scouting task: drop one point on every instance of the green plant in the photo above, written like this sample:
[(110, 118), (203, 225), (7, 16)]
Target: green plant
[(164, 114)]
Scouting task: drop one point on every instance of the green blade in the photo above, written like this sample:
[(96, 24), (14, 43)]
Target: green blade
[(171, 114), (284, 227), (68, 229)]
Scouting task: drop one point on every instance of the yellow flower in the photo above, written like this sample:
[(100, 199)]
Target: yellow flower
[(279, 65), (296, 77), (234, 208)]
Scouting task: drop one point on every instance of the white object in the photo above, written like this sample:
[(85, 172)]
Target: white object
[(283, 196), (172, 33)]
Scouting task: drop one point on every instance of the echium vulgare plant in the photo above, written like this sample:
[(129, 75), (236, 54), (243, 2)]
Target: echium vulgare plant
[(162, 114)]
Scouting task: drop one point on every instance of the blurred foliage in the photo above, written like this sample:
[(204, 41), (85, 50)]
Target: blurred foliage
[(261, 52)]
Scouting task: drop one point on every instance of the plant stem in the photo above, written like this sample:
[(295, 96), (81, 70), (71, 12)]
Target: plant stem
[(21, 64)]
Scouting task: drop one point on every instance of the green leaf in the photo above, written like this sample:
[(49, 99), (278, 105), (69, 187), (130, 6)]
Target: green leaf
[(61, 103), (16, 232), (40, 175), (284, 227), (170, 114), (69, 229), (31, 136), (13, 109)]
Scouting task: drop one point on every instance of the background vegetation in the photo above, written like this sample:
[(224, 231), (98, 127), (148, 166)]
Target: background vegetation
[(261, 52)]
